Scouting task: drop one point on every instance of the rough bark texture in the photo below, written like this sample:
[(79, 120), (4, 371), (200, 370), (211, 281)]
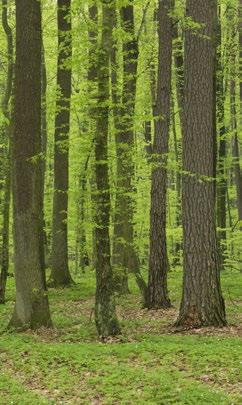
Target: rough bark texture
[(6, 133), (31, 308), (60, 275), (105, 316), (202, 303), (157, 296)]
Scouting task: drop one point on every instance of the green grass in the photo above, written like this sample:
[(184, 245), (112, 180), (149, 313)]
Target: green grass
[(149, 364)]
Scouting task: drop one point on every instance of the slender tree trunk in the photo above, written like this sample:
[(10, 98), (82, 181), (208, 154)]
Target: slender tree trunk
[(236, 148), (233, 114), (179, 83), (31, 308), (6, 130), (222, 149), (82, 259), (178, 245), (60, 274), (92, 90), (125, 258), (240, 58), (202, 303), (158, 263), (118, 254), (106, 322), (42, 233)]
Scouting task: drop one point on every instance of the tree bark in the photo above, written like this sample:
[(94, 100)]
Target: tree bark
[(240, 58), (60, 274), (6, 131), (233, 113), (124, 255), (31, 308), (105, 316), (157, 296), (222, 150), (42, 232), (202, 302)]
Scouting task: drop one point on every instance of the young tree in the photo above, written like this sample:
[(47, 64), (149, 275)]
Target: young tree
[(202, 302), (60, 274), (31, 308), (157, 296), (6, 133), (106, 322)]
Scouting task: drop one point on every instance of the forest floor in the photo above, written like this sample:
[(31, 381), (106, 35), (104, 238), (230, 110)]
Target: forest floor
[(150, 363)]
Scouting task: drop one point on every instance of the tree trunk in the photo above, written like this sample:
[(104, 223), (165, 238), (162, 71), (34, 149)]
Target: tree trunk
[(233, 113), (92, 75), (6, 131), (106, 322), (31, 308), (42, 233), (222, 149), (157, 296), (240, 58), (179, 83), (60, 274), (202, 303), (124, 255)]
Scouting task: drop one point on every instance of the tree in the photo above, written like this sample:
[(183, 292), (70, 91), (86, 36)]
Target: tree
[(125, 257), (232, 16), (222, 147), (6, 132), (157, 296), (106, 322), (202, 302), (60, 274), (31, 307)]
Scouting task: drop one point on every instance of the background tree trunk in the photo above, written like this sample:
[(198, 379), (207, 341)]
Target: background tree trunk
[(222, 149), (60, 275), (125, 257), (157, 296)]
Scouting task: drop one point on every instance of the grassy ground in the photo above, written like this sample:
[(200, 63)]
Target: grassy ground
[(149, 364)]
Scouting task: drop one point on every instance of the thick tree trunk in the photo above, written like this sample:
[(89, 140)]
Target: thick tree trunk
[(157, 296), (60, 274), (106, 322), (31, 308), (202, 303), (6, 131)]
